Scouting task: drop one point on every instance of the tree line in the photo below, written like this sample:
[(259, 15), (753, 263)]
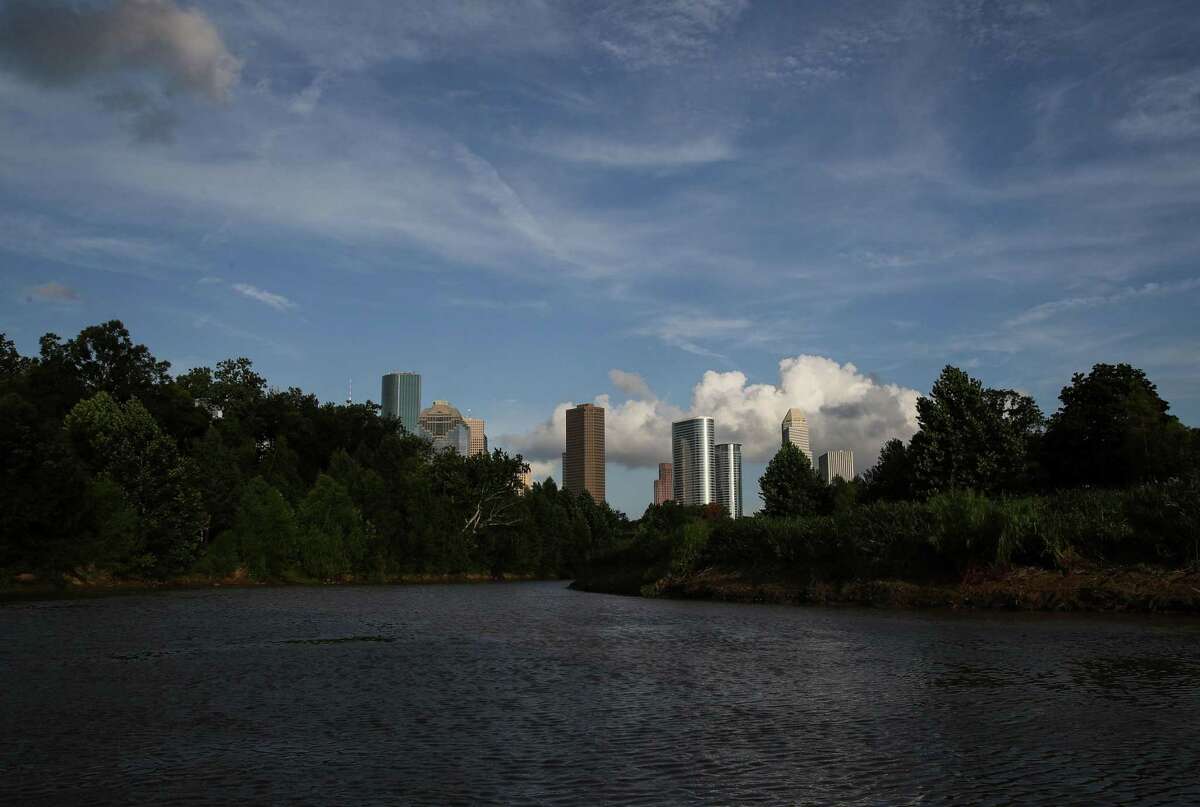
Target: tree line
[(1112, 431), (987, 482), (111, 465)]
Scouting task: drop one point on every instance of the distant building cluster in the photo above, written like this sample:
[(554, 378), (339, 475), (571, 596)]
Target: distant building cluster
[(440, 423), (704, 471), (701, 472)]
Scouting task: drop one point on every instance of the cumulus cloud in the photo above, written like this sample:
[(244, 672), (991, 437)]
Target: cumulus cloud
[(845, 409), (276, 301), (631, 384), (53, 292), (61, 44)]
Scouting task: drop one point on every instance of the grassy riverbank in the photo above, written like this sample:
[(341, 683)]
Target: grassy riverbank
[(1081, 550), (25, 586)]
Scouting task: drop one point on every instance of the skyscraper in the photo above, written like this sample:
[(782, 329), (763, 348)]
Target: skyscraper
[(478, 436), (836, 463), (583, 461), (401, 399), (692, 452), (664, 486), (727, 486), (795, 431)]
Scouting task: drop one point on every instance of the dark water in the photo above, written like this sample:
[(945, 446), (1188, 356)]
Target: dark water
[(533, 693)]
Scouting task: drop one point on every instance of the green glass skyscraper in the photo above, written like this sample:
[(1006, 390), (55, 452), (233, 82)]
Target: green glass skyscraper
[(401, 399)]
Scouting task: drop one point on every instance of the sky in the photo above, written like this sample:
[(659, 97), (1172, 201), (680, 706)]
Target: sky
[(669, 208)]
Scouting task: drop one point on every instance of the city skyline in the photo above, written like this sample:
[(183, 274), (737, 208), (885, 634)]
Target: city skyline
[(663, 209)]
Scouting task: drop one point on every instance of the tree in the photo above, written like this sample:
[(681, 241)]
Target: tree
[(12, 363), (788, 486), (105, 359), (122, 441), (891, 477), (1113, 430), (333, 536), (265, 535), (973, 438)]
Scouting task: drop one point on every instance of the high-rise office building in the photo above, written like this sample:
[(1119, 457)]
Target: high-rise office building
[(583, 461), (692, 452), (795, 431), (833, 464), (401, 399), (478, 436), (664, 486), (525, 478), (444, 426), (727, 483)]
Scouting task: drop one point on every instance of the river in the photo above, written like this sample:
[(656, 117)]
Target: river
[(532, 693)]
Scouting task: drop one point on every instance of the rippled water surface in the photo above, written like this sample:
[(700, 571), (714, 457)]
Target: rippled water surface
[(533, 693)]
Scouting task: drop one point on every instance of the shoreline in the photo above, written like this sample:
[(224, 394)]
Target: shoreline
[(81, 588), (1117, 589)]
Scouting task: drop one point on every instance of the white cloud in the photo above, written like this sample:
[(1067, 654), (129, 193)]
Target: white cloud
[(687, 331), (621, 154), (631, 384), (1048, 310), (276, 301), (845, 409)]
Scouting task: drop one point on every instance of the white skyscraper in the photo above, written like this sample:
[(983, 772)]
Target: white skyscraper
[(833, 464), (692, 453), (727, 486), (795, 431)]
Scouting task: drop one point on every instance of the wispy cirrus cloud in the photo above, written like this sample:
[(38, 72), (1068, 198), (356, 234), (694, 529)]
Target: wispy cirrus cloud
[(611, 153), (276, 301), (1052, 308)]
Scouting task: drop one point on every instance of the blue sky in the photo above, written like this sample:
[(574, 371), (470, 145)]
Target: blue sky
[(737, 206)]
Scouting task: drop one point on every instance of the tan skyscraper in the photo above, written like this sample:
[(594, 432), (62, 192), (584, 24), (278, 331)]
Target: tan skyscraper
[(664, 486), (583, 461), (833, 464), (795, 431), (478, 443)]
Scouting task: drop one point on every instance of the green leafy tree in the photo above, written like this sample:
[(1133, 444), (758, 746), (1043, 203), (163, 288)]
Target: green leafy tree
[(45, 520), (1113, 430), (788, 486), (265, 537), (124, 442), (973, 438), (890, 479), (333, 536)]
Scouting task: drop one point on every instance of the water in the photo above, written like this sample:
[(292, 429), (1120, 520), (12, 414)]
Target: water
[(533, 693)]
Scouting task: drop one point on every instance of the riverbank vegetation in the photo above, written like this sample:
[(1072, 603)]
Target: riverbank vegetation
[(990, 503), (114, 470)]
